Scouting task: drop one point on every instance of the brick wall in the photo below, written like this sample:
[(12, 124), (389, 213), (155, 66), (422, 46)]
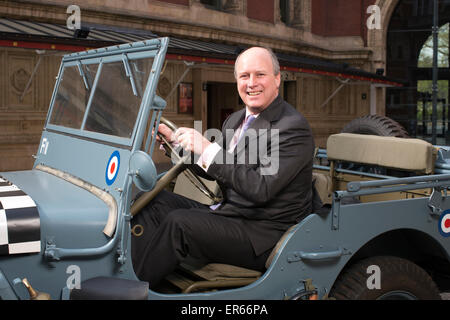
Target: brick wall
[(334, 18), (262, 10)]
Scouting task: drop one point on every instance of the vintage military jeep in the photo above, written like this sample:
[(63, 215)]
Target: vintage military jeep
[(65, 225)]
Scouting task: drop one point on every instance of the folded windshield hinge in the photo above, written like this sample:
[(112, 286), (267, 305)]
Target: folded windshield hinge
[(83, 75), (129, 74)]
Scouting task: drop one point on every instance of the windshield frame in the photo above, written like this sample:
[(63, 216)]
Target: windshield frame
[(146, 50)]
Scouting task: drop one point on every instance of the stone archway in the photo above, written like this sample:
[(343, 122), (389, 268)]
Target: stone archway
[(377, 42), (406, 25), (377, 39)]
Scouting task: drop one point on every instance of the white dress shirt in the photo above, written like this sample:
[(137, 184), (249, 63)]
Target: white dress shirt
[(210, 152)]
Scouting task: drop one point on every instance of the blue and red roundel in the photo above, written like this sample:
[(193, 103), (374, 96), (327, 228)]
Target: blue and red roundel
[(444, 223), (112, 168)]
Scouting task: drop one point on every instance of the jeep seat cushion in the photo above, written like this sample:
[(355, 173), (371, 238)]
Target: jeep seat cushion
[(184, 187), (279, 245), (219, 271), (322, 183), (398, 153)]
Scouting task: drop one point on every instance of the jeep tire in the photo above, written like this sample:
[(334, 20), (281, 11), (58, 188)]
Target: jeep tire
[(376, 125), (400, 279)]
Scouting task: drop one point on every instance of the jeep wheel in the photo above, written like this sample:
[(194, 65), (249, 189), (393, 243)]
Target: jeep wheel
[(376, 125), (399, 279)]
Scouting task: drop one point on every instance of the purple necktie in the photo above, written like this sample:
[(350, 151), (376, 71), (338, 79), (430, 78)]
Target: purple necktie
[(244, 128), (247, 123)]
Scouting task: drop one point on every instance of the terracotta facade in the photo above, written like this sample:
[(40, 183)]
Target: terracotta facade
[(334, 30)]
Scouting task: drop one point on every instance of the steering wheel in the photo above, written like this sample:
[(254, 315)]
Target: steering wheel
[(171, 174)]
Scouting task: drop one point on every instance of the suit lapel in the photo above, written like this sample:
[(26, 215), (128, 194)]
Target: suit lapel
[(232, 124), (262, 123)]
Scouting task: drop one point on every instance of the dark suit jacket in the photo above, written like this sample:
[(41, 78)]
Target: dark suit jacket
[(273, 192)]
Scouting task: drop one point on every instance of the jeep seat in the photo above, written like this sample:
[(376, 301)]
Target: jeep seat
[(218, 275), (214, 275), (322, 183), (398, 153)]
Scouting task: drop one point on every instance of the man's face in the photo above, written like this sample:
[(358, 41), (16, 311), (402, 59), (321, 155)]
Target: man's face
[(256, 82)]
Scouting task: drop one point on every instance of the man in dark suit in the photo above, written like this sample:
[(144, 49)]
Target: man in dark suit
[(266, 189)]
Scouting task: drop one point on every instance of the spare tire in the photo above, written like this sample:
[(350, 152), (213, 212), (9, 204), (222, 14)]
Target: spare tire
[(376, 125)]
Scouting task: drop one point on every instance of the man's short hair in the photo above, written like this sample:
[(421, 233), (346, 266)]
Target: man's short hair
[(275, 63)]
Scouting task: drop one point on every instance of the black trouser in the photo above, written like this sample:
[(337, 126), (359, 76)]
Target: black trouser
[(175, 227)]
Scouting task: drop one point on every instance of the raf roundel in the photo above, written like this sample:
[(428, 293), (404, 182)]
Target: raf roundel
[(444, 223), (112, 168)]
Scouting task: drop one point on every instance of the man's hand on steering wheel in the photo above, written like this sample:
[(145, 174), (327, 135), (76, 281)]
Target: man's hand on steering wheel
[(191, 140), (165, 131), (188, 138)]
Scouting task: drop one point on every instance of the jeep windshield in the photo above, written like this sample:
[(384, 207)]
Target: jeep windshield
[(100, 97)]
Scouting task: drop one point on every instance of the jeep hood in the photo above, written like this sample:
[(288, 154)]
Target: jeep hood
[(69, 214)]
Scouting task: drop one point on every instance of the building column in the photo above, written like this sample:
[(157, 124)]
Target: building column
[(200, 97), (301, 13), (376, 41)]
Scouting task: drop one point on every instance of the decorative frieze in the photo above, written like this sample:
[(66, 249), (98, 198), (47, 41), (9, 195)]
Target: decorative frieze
[(20, 66)]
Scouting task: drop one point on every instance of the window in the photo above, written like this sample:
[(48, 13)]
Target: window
[(115, 105), (113, 101), (214, 4), (426, 54), (73, 94), (425, 108), (284, 11), (424, 87)]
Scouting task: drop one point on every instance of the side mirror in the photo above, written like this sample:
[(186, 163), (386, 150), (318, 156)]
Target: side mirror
[(143, 170)]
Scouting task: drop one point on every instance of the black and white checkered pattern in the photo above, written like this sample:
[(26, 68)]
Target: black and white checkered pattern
[(19, 221)]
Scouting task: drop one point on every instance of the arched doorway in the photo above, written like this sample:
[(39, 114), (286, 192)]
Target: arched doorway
[(424, 89), (408, 58)]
